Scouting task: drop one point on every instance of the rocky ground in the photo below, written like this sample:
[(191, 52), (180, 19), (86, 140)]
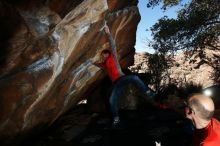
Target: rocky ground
[(137, 127), (184, 69)]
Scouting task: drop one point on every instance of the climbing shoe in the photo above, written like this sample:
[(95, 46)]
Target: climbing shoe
[(116, 121)]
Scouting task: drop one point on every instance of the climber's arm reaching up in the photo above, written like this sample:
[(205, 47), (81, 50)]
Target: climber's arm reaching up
[(113, 49), (111, 41)]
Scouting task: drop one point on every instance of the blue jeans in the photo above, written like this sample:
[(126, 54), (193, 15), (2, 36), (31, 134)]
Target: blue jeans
[(120, 85)]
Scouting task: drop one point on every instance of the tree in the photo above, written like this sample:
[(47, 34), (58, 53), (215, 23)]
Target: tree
[(196, 27), (158, 65), (166, 3)]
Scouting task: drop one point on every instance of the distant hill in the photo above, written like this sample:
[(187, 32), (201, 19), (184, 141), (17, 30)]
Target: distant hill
[(184, 69)]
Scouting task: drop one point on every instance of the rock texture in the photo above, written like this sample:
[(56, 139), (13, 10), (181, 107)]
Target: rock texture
[(45, 51), (183, 69)]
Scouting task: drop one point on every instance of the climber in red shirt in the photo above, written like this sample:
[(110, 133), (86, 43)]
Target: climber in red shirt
[(110, 63), (200, 110)]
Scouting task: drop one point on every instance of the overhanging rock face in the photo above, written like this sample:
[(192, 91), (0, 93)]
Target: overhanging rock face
[(45, 52)]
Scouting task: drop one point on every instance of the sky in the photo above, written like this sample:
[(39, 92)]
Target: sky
[(149, 17)]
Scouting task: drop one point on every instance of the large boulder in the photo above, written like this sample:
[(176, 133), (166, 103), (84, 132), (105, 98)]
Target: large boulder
[(45, 51)]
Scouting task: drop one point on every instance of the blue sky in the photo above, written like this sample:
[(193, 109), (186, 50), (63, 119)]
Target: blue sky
[(149, 17)]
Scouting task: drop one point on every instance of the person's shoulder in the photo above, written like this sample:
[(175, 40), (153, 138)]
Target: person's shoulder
[(215, 142), (215, 123), (215, 120), (214, 134), (216, 128)]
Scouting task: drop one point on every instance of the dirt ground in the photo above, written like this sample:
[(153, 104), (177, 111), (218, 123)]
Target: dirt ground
[(137, 127)]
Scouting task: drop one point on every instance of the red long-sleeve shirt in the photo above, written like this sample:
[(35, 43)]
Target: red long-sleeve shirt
[(110, 66), (209, 136)]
